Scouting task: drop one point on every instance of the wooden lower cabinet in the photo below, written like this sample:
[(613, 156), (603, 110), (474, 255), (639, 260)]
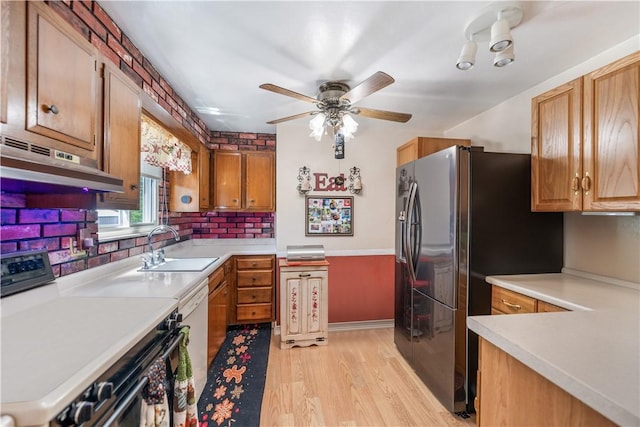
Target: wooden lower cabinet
[(304, 297), (218, 311), (512, 394), (254, 289)]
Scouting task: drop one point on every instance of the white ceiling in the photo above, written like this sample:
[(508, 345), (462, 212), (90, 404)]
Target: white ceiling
[(216, 53)]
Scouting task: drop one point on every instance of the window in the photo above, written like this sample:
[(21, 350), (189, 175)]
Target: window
[(114, 223)]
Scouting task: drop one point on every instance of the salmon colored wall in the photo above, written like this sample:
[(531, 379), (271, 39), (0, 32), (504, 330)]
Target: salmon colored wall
[(360, 288)]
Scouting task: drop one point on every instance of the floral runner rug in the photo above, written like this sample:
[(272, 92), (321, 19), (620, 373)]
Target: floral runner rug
[(236, 377)]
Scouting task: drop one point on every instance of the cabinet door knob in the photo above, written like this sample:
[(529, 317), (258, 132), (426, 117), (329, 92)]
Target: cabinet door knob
[(235, 200), (51, 109), (134, 187)]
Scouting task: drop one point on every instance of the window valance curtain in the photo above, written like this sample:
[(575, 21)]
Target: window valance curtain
[(160, 148)]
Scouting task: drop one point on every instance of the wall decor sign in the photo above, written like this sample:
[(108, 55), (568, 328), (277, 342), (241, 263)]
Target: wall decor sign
[(329, 216)]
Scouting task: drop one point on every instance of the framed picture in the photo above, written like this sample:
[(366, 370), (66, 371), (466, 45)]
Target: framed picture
[(329, 216)]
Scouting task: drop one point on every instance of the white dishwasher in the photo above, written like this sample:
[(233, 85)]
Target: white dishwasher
[(195, 314)]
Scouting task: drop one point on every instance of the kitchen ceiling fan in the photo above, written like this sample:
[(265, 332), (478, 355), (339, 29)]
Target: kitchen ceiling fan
[(335, 102)]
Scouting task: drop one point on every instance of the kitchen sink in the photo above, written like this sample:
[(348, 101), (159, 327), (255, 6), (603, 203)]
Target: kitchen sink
[(181, 265)]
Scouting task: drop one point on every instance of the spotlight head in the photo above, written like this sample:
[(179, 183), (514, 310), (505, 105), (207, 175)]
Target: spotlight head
[(467, 57), (501, 37), (504, 57)]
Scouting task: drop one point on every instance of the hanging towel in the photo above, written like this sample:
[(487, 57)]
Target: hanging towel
[(155, 407), (185, 411)]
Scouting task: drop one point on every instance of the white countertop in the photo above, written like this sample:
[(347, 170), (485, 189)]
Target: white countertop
[(592, 352), (53, 351), (56, 339)]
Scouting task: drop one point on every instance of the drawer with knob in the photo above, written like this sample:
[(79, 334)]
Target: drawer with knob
[(254, 312), (254, 295), (255, 278)]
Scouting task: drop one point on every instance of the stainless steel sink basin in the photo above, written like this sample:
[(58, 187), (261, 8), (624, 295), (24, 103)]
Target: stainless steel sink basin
[(181, 265)]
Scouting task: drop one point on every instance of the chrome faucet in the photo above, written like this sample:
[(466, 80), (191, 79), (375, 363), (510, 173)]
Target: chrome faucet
[(152, 257)]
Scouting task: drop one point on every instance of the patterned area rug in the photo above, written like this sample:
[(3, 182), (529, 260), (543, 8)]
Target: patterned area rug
[(235, 381)]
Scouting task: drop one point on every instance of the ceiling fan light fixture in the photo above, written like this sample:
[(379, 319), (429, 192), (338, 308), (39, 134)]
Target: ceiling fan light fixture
[(501, 37), (317, 126), (349, 127), (467, 57), (504, 58)]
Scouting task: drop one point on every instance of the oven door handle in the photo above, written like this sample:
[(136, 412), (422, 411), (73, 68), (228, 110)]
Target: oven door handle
[(143, 381), (124, 404)]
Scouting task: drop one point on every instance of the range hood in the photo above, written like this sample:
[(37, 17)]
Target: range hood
[(23, 170)]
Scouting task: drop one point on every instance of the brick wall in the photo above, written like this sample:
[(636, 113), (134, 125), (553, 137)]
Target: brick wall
[(23, 229)]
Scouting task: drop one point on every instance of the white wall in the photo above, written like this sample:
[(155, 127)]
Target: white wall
[(373, 150), (607, 246)]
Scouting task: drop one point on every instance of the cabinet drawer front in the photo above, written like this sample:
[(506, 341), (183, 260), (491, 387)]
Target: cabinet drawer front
[(545, 307), (254, 295), (254, 312), (262, 263), (510, 302), (255, 278)]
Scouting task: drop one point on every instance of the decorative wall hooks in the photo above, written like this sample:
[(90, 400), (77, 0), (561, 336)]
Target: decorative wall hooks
[(304, 180), (355, 182)]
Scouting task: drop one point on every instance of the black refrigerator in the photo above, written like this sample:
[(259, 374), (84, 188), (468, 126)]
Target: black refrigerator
[(461, 214)]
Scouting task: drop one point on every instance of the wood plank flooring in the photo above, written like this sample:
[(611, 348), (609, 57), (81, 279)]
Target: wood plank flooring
[(359, 379)]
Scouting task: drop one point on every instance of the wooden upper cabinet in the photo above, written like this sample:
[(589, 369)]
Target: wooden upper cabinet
[(184, 191), (556, 134), (585, 154), (611, 154), (259, 181), (121, 157), (244, 181), (423, 146), (62, 81), (227, 180)]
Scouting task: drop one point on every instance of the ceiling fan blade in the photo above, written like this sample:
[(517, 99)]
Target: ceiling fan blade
[(373, 84), (296, 116), (287, 92), (384, 115)]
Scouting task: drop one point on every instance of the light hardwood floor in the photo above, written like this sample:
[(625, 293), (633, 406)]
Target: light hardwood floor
[(359, 379)]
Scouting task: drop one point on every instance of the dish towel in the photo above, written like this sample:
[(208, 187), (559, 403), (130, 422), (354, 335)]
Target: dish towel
[(185, 411), (155, 407)]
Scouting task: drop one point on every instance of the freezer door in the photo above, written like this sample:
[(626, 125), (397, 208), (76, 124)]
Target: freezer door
[(437, 178), (434, 351)]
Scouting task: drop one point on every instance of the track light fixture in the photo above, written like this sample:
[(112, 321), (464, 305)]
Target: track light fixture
[(492, 24)]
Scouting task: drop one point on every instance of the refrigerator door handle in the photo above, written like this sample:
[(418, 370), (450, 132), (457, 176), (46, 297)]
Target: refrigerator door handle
[(407, 232), (417, 223)]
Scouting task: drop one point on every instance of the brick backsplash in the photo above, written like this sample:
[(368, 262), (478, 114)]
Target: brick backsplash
[(232, 225), (23, 229)]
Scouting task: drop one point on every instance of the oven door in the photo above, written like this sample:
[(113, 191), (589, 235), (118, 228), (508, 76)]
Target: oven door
[(127, 408)]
